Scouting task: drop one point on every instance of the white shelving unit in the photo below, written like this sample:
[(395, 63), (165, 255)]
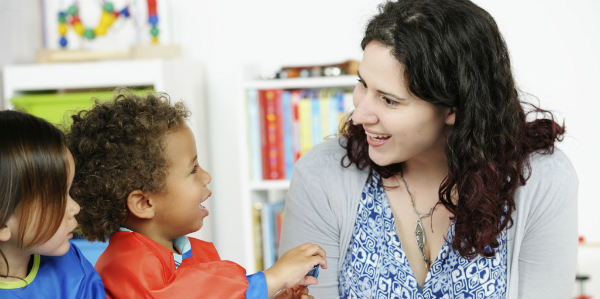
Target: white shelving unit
[(269, 190), (181, 79)]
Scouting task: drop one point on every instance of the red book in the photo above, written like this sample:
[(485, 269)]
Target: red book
[(295, 99), (279, 122), (263, 133), (273, 132)]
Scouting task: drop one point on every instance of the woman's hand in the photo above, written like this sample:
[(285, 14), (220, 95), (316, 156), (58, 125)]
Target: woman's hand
[(292, 267)]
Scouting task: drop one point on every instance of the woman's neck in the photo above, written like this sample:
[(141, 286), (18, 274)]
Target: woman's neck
[(18, 263), (430, 166)]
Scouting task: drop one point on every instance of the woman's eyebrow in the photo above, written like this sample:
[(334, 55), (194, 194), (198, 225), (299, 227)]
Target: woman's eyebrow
[(381, 91)]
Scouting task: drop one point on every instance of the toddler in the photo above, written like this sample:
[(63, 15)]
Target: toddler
[(37, 214), (139, 182)]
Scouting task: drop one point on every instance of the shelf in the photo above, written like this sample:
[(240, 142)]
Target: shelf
[(269, 185), (589, 244), (317, 82)]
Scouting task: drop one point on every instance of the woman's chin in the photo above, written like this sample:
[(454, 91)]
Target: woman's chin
[(381, 159)]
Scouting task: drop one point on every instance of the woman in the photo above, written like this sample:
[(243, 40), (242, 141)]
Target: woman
[(439, 185)]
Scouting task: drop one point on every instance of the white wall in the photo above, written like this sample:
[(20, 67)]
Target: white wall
[(555, 49)]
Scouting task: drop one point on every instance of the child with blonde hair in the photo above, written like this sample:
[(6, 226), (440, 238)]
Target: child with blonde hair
[(37, 214), (140, 185)]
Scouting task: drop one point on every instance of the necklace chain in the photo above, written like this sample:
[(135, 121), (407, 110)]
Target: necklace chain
[(419, 232)]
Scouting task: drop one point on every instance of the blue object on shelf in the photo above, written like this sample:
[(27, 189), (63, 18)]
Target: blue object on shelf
[(91, 250), (153, 19)]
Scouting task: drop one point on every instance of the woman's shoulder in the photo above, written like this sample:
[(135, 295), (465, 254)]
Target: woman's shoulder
[(324, 152), (327, 157), (555, 167), (552, 182), (557, 161)]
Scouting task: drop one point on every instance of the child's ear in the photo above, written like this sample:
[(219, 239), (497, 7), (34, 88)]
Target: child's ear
[(4, 233), (140, 205)]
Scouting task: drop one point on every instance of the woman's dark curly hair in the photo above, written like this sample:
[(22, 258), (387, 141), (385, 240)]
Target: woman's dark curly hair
[(118, 147), (455, 58)]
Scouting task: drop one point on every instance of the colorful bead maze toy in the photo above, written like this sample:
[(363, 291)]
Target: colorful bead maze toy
[(109, 15)]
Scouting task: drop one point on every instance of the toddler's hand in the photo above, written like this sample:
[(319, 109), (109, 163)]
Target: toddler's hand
[(297, 292), (292, 267)]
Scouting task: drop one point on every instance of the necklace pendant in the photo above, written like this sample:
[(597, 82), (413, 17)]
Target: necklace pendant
[(420, 238)]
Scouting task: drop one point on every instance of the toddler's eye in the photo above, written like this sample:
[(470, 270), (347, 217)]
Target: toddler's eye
[(195, 169)]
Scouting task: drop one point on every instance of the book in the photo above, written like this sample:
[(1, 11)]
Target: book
[(273, 132), (315, 120), (271, 221), (295, 99), (263, 133), (257, 226), (277, 210), (304, 116), (288, 146), (324, 103), (254, 135)]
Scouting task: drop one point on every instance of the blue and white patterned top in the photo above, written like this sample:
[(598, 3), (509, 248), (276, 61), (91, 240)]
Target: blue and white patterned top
[(376, 266)]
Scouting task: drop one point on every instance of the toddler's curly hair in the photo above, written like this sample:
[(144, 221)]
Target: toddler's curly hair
[(118, 147)]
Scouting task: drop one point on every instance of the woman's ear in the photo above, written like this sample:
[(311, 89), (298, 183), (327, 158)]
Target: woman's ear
[(450, 117), (140, 205)]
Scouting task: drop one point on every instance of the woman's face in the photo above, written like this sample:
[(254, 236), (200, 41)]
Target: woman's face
[(399, 126)]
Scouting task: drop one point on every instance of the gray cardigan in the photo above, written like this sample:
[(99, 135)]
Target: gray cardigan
[(323, 198)]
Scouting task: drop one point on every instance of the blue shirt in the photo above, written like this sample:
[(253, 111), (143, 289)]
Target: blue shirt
[(376, 266), (61, 277)]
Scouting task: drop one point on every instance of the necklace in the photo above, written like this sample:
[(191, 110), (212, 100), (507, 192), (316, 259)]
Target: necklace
[(419, 232)]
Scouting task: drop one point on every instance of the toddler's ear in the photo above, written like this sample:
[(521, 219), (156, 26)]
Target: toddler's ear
[(4, 233), (140, 205)]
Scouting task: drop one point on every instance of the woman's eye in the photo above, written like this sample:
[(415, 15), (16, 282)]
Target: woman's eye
[(363, 83), (389, 102)]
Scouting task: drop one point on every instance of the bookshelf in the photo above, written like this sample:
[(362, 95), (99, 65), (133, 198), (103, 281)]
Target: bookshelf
[(269, 191)]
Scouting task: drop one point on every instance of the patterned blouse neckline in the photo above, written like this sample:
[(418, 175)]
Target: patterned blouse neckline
[(375, 265)]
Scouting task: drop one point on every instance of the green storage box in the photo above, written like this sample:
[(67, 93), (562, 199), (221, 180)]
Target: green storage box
[(57, 108)]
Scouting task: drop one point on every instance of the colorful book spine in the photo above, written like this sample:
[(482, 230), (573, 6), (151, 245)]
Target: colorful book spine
[(263, 133), (274, 135), (304, 115), (334, 112), (295, 98), (346, 107), (268, 239), (277, 210), (280, 146), (288, 146), (315, 120), (324, 103), (258, 242), (288, 123), (254, 135)]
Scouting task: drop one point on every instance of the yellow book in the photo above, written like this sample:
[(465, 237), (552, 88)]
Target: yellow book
[(257, 225), (304, 114)]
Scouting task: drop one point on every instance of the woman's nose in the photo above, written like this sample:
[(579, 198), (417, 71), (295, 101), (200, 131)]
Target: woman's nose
[(363, 113)]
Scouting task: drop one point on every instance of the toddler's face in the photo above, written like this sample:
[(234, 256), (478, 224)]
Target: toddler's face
[(179, 208), (59, 243)]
